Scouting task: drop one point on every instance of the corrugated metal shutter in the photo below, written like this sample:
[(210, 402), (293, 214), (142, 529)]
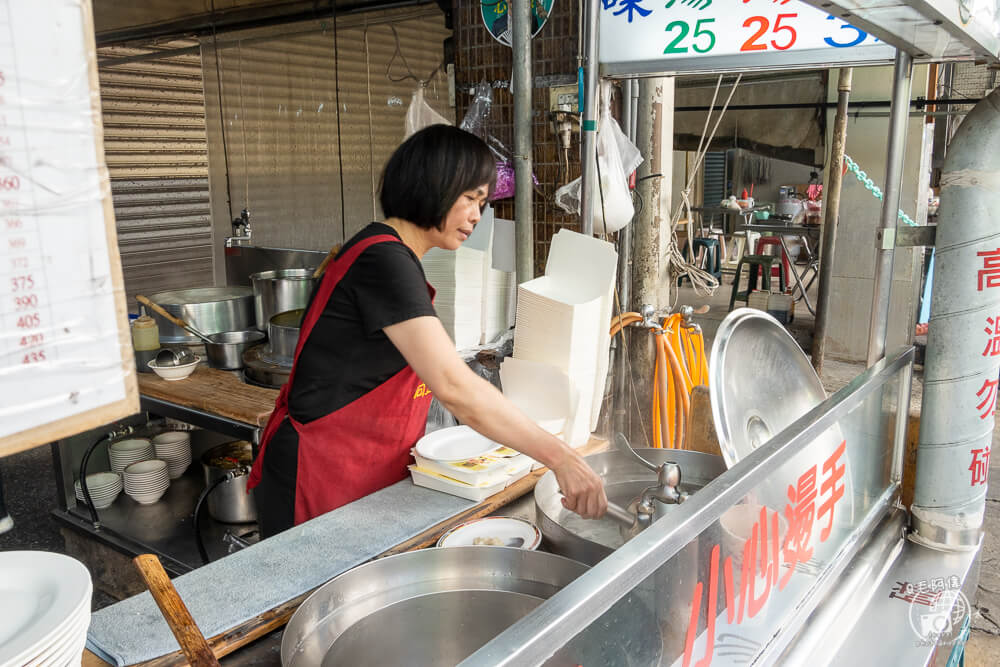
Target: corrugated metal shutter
[(280, 118), (157, 154), (714, 170)]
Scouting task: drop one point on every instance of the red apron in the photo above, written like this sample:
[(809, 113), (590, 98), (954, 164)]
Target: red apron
[(361, 447)]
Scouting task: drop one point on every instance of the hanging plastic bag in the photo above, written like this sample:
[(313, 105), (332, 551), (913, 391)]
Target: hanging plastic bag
[(421, 115)]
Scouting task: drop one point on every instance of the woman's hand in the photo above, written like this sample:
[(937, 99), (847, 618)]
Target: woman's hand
[(582, 489)]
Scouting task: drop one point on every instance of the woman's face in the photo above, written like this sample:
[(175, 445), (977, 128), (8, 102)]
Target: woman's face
[(461, 219)]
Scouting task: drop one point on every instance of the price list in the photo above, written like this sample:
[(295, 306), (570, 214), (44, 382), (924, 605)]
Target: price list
[(61, 303)]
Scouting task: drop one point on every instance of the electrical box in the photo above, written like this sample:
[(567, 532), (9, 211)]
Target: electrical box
[(564, 98)]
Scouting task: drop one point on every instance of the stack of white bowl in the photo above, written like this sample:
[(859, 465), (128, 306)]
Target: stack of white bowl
[(126, 452), (174, 447), (104, 487), (146, 481)]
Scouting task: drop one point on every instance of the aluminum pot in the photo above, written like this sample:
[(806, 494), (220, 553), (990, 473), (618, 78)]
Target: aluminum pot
[(208, 309), (279, 291), (438, 606), (225, 352), (229, 502), (283, 336)]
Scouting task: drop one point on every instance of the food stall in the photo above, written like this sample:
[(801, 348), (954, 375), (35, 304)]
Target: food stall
[(794, 550)]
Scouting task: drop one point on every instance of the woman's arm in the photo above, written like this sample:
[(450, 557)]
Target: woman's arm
[(425, 344)]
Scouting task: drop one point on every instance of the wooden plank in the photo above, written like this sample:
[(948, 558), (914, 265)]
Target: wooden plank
[(213, 391), (701, 435), (225, 643)]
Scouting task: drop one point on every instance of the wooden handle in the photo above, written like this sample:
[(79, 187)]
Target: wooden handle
[(193, 644), (162, 312), (326, 260)]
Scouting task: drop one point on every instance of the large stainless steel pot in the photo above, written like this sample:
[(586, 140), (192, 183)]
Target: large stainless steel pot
[(279, 291), (438, 606), (229, 502), (208, 309), (283, 336)]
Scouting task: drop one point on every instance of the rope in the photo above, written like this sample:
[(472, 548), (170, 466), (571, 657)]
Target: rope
[(704, 283)]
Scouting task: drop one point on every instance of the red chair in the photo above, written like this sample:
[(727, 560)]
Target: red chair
[(765, 241)]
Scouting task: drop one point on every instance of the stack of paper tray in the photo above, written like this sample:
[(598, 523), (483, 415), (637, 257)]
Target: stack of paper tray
[(563, 321)]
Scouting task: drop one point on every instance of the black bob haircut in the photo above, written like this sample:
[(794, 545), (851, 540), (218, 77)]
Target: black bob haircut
[(427, 174)]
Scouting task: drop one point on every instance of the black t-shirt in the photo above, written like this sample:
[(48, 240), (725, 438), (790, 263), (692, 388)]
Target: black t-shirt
[(347, 354)]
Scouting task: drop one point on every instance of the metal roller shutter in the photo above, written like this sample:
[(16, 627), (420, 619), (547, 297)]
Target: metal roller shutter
[(278, 126), (157, 155)]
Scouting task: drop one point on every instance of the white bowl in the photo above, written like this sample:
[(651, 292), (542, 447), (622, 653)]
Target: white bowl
[(172, 373), (146, 498), (145, 467), (171, 437), (131, 445)]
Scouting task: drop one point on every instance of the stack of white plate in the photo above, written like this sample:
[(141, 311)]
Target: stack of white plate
[(104, 487), (45, 599), (147, 481), (126, 452), (174, 447)]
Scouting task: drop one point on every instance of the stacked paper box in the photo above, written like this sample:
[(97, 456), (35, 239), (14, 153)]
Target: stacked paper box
[(562, 322), (475, 284)]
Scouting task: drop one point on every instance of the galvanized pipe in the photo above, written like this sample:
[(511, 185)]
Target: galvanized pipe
[(588, 124), (521, 87), (620, 394), (963, 345), (834, 179), (902, 77)]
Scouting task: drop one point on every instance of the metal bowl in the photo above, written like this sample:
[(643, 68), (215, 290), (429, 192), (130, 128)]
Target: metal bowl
[(438, 606), (225, 352)]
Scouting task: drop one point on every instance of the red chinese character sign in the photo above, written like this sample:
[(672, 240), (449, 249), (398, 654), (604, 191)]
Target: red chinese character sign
[(639, 36)]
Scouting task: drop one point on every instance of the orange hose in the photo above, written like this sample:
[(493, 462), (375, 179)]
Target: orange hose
[(623, 320), (682, 396), (662, 391)]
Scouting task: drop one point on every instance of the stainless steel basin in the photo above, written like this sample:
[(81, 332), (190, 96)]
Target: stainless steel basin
[(438, 606)]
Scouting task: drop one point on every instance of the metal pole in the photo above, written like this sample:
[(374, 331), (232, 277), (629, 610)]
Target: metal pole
[(902, 75), (521, 85), (834, 180), (620, 420), (588, 126)]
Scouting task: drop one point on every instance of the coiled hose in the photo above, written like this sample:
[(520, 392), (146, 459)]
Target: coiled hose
[(680, 365)]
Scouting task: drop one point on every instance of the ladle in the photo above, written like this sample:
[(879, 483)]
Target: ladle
[(162, 312)]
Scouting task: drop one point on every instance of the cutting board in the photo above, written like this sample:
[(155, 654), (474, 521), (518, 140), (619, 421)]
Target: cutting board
[(213, 391)]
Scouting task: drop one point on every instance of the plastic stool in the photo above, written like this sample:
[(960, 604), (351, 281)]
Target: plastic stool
[(713, 263), (756, 265), (766, 241)]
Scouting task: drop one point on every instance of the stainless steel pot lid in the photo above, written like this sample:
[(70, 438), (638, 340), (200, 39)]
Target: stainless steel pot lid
[(760, 381), (183, 297)]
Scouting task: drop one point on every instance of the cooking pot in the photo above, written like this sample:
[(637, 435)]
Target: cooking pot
[(225, 352), (208, 309), (279, 291), (438, 606), (283, 336), (229, 502)]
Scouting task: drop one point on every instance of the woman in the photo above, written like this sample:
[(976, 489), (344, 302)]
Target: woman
[(372, 351)]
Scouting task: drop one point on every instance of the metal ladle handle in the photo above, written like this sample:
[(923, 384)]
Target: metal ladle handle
[(624, 445), (620, 514)]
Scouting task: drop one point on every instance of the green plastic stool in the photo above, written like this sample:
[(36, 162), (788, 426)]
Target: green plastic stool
[(757, 265)]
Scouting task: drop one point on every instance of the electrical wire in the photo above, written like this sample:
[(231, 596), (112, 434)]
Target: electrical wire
[(409, 72), (222, 118), (340, 145)]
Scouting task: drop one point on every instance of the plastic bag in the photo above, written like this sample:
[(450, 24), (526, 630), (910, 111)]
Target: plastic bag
[(421, 115)]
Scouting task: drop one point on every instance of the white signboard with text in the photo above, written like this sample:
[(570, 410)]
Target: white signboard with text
[(66, 361), (646, 37)]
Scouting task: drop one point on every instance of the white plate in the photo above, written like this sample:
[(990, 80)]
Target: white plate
[(39, 592), (455, 443), (54, 652), (504, 528)]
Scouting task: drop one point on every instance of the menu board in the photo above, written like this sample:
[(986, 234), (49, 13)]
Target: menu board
[(642, 36), (66, 362)]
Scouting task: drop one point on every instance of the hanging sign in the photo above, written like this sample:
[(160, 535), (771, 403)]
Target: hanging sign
[(496, 17), (646, 37), (65, 358)]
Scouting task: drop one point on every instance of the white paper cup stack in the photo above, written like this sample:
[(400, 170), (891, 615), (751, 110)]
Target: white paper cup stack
[(146, 481), (174, 447), (104, 487), (126, 452)]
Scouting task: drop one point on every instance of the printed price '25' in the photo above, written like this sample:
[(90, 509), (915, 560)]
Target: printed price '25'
[(684, 28), (763, 24)]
